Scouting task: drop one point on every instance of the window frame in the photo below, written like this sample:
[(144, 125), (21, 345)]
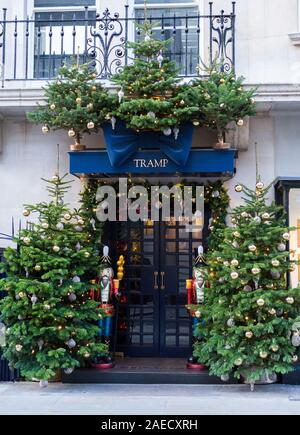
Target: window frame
[(32, 11), (197, 3)]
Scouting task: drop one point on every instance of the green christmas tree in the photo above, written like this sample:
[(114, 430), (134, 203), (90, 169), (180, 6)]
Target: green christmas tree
[(218, 201), (50, 319), (150, 96), (249, 311), (75, 102), (222, 100), (88, 212)]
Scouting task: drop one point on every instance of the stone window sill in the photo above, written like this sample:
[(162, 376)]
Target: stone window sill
[(295, 38)]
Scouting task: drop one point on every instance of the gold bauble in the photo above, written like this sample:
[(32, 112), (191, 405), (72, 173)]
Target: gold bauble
[(87, 254), (275, 263), (52, 107), (238, 188), (26, 240), (26, 212), (265, 216), (263, 354), (45, 129), (249, 334), (234, 262), (238, 362), (237, 234), (67, 216), (286, 236), (290, 300), (80, 222), (272, 311), (260, 302), (197, 314), (78, 100), (234, 275), (255, 270), (90, 125), (259, 185), (38, 268), (275, 348), (295, 358), (240, 122), (56, 248), (252, 248)]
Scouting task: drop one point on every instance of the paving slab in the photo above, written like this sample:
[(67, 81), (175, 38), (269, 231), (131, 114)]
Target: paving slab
[(111, 399)]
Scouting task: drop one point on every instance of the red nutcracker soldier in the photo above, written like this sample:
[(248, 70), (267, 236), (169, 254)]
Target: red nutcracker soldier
[(107, 294), (195, 296)]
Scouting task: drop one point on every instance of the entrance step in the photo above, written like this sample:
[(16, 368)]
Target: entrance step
[(144, 371)]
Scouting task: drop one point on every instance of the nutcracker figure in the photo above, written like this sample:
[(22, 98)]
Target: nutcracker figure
[(195, 296), (107, 295)]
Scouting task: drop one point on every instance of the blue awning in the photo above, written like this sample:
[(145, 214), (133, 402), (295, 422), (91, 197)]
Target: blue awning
[(201, 162)]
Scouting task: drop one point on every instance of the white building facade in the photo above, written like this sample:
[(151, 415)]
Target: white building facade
[(266, 53)]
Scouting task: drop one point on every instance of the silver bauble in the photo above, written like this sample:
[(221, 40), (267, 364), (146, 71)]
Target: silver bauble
[(71, 343), (230, 323), (72, 297), (225, 378)]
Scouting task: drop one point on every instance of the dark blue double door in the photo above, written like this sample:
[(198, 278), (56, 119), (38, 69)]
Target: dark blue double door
[(152, 318)]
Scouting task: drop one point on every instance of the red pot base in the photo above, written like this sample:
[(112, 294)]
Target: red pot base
[(196, 366), (103, 366)]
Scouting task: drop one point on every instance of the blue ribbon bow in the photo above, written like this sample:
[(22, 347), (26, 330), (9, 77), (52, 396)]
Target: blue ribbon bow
[(122, 143)]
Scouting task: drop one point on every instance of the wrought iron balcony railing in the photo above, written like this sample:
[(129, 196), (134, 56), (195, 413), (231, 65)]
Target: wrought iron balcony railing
[(34, 49)]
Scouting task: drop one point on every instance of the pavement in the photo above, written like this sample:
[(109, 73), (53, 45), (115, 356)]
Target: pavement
[(107, 399)]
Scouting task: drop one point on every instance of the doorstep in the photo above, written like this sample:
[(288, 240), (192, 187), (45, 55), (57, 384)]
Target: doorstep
[(145, 371)]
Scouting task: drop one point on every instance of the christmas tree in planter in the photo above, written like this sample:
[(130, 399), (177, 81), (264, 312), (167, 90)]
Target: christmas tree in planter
[(222, 100), (74, 102), (50, 319), (150, 96), (249, 312), (88, 212)]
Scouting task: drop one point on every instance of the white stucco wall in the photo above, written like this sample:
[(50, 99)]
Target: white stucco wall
[(26, 157)]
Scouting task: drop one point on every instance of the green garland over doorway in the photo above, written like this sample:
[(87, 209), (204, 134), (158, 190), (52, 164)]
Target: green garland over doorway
[(215, 196)]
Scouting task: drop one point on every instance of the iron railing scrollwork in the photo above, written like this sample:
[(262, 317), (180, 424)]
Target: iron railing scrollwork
[(107, 43), (38, 46), (222, 32)]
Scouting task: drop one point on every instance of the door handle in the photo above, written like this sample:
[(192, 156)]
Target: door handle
[(155, 280), (162, 275)]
